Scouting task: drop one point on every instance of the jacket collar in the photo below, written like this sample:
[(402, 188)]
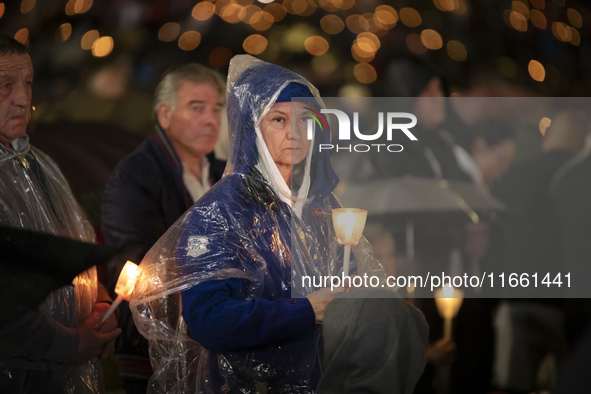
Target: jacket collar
[(166, 146), (177, 166)]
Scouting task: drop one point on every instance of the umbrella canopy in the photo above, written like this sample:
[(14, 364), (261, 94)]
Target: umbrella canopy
[(34, 264), (421, 198)]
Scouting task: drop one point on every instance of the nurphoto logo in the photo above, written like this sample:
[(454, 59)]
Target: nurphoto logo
[(344, 131)]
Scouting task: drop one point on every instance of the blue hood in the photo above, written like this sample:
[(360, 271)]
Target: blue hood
[(253, 87)]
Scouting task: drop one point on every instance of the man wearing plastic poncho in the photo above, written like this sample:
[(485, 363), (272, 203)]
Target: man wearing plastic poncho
[(50, 350), (230, 265)]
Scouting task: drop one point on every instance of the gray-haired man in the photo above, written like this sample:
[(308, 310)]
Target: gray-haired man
[(153, 186)]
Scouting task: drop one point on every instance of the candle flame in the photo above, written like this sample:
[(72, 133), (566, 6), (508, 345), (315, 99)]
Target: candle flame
[(348, 224), (448, 301), (126, 281)]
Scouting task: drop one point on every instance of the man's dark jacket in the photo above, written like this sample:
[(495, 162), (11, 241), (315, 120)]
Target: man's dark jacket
[(144, 196)]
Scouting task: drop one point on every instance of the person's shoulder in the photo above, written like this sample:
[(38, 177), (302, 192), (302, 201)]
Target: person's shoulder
[(143, 160), (229, 188), (47, 163)]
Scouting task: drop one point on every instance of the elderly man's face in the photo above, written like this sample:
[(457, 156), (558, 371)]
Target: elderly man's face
[(194, 125), (16, 78)]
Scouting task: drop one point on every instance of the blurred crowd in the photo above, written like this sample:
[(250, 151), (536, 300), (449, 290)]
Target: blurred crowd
[(134, 163)]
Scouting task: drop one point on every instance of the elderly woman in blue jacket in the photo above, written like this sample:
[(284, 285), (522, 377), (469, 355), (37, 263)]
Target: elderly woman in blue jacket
[(245, 320)]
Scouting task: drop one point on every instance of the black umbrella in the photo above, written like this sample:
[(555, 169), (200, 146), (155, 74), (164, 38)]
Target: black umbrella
[(421, 198), (33, 264)]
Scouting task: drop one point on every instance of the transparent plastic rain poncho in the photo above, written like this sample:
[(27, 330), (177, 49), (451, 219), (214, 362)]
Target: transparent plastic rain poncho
[(34, 195), (250, 225)]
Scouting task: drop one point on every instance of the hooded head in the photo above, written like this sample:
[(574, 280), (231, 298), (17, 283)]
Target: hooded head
[(252, 90)]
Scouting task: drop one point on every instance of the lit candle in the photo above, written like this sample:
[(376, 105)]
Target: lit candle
[(124, 287), (348, 225), (448, 301)]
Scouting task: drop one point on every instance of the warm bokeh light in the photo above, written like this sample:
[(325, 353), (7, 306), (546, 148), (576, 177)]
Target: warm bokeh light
[(369, 42), (89, 38), (231, 13), (365, 73), (544, 124), (520, 7), (220, 57), (203, 11), (561, 31), (330, 5), (22, 35), (332, 24), (261, 21), (266, 1), (71, 8), (82, 6), (361, 55), (254, 44), (189, 40), (574, 17), (414, 44), (538, 19), (507, 67), (539, 4), (431, 39), (103, 46), (536, 70), (310, 8), (372, 27), (410, 17), (249, 12), (385, 17), (316, 45), (461, 9), (347, 4), (63, 32), (277, 10), (575, 37), (357, 23), (27, 5), (1, 9), (325, 65), (300, 7), (518, 21), (446, 5), (456, 50), (169, 32)]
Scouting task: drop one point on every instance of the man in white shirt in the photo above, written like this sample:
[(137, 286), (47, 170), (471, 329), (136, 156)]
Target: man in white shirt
[(153, 186)]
